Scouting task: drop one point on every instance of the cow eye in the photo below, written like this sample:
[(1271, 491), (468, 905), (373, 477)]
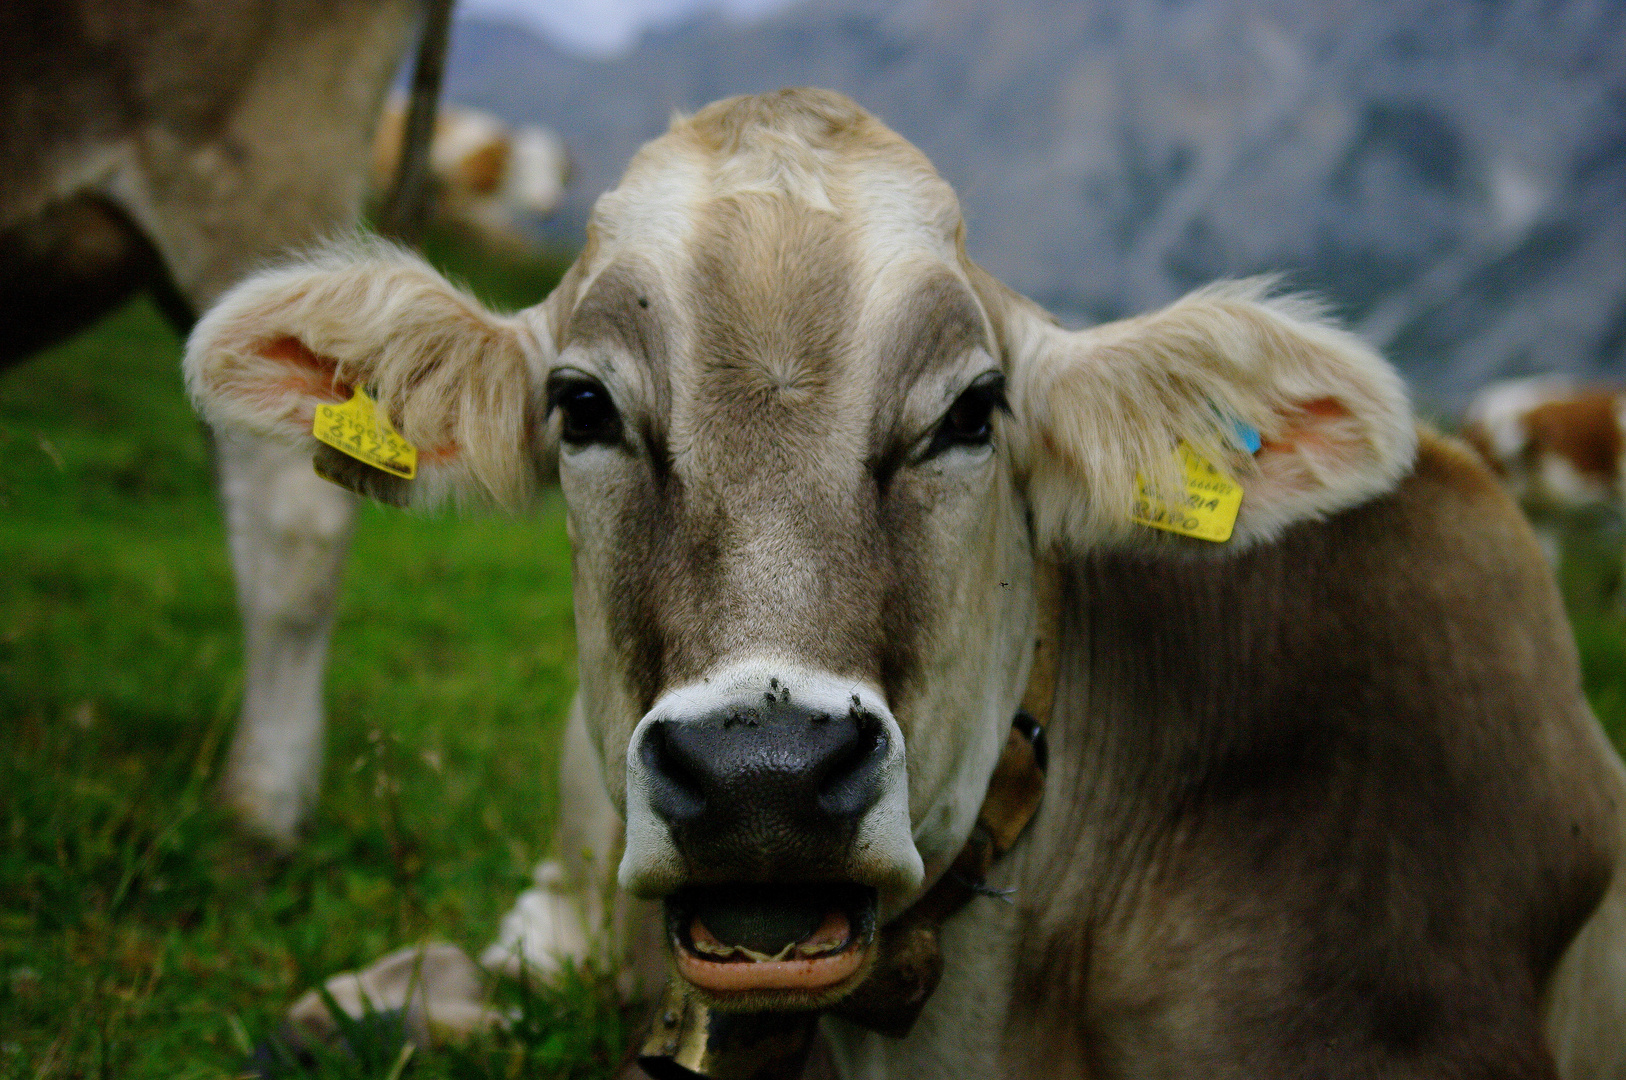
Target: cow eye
[(970, 420), (589, 414)]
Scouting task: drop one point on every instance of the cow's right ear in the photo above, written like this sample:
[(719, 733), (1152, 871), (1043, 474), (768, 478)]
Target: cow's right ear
[(1098, 412), (453, 378)]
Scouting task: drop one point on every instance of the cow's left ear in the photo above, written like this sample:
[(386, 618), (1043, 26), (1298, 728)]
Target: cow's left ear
[(453, 378), (1095, 409)]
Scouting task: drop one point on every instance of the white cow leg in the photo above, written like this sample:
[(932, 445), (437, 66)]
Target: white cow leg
[(574, 914), (1550, 536), (289, 531), (1586, 1000), (561, 919)]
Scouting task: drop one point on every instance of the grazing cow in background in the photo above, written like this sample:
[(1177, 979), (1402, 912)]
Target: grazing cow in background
[(1558, 446), (149, 146), (489, 177), (1323, 798)]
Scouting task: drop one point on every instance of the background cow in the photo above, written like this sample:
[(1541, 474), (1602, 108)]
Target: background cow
[(491, 180), (1326, 800), (144, 146), (1556, 444)]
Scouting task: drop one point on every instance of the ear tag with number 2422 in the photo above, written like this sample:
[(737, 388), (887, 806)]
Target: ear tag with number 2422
[(359, 430)]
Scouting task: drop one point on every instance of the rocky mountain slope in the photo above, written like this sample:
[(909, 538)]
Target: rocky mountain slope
[(1452, 175)]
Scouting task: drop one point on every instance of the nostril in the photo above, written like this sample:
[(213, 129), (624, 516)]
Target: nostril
[(849, 783), (676, 782), (752, 770)]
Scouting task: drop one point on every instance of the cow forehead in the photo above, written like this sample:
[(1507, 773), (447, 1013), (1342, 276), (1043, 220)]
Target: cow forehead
[(781, 292), (812, 147), (779, 261), (781, 344), (749, 180), (777, 296)]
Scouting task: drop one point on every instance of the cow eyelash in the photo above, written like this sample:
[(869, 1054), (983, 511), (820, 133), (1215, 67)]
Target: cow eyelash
[(589, 413), (970, 420)]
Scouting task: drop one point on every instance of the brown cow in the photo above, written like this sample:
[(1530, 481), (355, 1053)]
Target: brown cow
[(1558, 446), (145, 144), (1324, 798), (489, 176)]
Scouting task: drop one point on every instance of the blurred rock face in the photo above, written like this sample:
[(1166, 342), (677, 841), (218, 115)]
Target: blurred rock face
[(1452, 175)]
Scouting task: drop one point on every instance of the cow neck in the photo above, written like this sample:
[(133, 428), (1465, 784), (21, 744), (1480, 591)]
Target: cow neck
[(687, 1039)]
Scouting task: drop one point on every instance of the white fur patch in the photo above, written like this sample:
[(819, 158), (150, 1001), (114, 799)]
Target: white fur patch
[(550, 926), (537, 168), (1565, 486)]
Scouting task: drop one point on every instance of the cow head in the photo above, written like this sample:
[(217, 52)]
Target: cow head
[(809, 451)]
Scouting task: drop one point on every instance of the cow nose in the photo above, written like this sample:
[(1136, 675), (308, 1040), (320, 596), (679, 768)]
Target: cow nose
[(765, 791)]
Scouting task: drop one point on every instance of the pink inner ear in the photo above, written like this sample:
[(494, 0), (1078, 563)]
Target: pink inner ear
[(1309, 426), (302, 373), (438, 455)]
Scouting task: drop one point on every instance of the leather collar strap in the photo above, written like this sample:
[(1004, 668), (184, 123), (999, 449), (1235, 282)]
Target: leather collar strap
[(688, 1039)]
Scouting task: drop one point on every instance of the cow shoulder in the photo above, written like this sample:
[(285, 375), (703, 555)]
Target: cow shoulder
[(1350, 802)]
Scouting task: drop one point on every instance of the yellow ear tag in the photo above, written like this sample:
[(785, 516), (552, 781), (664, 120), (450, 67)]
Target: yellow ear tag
[(1210, 507), (359, 430)]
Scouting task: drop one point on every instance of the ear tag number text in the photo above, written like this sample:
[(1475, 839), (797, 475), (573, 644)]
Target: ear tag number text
[(1209, 509), (359, 430)]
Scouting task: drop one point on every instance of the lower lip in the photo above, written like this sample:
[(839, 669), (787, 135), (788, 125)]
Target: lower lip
[(819, 973)]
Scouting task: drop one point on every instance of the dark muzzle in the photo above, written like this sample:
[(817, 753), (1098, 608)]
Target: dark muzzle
[(769, 792)]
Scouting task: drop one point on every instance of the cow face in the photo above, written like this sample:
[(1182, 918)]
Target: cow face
[(792, 516), (809, 450)]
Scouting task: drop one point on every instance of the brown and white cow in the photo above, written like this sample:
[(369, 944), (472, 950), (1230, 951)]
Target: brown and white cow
[(150, 145), (1559, 447), (1325, 799), (489, 176)]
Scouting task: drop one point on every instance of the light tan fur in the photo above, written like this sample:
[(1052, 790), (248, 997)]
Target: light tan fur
[(334, 66), (450, 374), (771, 485), (1106, 405)]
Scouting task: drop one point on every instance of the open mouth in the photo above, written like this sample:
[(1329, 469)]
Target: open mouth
[(797, 939)]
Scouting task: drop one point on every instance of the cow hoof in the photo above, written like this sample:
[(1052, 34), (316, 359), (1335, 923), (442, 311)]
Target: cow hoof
[(448, 999), (546, 929)]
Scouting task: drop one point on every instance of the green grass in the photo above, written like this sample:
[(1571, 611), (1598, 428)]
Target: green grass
[(1595, 592), (139, 937)]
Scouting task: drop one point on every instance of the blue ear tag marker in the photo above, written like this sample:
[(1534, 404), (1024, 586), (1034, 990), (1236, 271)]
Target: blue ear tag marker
[(1246, 436), (1243, 434)]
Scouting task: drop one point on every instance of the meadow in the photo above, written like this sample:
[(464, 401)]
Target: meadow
[(140, 936)]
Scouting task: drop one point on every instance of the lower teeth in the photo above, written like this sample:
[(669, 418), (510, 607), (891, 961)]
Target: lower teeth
[(791, 951), (702, 941)]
